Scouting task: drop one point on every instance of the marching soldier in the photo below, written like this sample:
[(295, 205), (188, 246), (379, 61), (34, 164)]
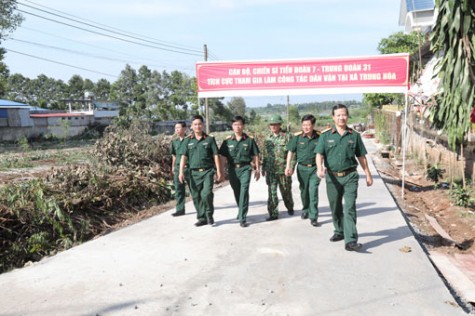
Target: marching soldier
[(201, 151), (240, 150), (180, 188), (338, 147), (274, 161), (302, 146)]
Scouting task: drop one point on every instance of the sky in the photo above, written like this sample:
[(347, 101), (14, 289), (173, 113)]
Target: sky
[(170, 35)]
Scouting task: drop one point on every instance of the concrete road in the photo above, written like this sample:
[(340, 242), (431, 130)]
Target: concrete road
[(167, 266)]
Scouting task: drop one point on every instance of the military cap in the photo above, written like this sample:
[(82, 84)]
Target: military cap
[(276, 119)]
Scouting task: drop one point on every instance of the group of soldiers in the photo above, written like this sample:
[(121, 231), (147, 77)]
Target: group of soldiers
[(332, 155)]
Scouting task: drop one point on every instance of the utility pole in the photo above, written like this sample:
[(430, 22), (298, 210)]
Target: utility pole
[(288, 114), (206, 99)]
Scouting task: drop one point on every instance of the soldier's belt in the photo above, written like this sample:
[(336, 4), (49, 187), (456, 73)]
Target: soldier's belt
[(200, 169), (307, 164), (240, 165), (342, 173)]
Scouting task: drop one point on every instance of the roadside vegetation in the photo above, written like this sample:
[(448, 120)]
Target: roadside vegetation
[(124, 172)]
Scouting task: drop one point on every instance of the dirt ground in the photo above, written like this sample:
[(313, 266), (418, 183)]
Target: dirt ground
[(438, 224)]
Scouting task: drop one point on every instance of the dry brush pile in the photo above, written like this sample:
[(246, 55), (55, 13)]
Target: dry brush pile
[(73, 204)]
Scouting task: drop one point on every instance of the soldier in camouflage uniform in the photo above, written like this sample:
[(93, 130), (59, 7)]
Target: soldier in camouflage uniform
[(273, 168)]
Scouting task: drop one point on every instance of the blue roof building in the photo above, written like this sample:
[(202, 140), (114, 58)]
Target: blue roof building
[(12, 104)]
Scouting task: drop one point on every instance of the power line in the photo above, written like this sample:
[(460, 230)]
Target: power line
[(81, 53), (110, 28), (141, 59), (60, 63), (117, 30), (106, 35)]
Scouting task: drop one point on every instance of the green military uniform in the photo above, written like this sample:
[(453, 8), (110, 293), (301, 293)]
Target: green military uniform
[(341, 178), (239, 154), (200, 155), (180, 188), (273, 163), (304, 147)]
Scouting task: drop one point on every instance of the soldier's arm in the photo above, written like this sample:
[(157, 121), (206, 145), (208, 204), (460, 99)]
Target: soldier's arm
[(217, 162), (288, 169), (364, 165), (181, 175), (320, 169), (173, 163), (257, 173)]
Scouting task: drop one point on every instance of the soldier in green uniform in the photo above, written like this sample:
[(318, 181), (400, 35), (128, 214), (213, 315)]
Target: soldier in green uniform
[(240, 150), (302, 146), (175, 150), (338, 147), (274, 160), (201, 151)]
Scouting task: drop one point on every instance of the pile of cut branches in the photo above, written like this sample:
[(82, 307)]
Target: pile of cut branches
[(74, 204)]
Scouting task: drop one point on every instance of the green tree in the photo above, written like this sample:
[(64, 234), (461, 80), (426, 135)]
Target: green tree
[(237, 105), (395, 43), (4, 73), (294, 116), (88, 85), (9, 21), (76, 87), (399, 43), (123, 90), (102, 90), (218, 111), (17, 86), (453, 39), (42, 91), (379, 99)]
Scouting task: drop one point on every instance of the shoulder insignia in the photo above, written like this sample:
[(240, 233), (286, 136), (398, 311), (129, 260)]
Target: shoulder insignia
[(210, 135), (354, 130), (251, 136), (298, 133), (318, 133), (229, 137), (326, 130)]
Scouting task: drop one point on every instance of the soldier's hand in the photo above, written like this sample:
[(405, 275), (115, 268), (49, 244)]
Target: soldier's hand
[(321, 173), (181, 178), (257, 175), (219, 177), (289, 172), (369, 180), (263, 173)]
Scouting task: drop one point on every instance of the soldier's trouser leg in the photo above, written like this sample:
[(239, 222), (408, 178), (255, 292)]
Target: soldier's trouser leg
[(314, 182), (303, 177), (201, 186), (180, 190), (235, 185), (272, 200), (207, 195), (285, 186), (345, 189), (244, 175)]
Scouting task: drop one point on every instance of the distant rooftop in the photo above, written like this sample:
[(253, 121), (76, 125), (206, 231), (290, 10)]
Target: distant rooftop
[(4, 102), (106, 105), (416, 14), (416, 5)]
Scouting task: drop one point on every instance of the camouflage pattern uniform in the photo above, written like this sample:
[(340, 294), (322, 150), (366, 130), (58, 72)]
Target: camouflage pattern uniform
[(273, 163)]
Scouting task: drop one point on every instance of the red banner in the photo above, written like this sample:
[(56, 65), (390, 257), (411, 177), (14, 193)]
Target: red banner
[(382, 73)]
